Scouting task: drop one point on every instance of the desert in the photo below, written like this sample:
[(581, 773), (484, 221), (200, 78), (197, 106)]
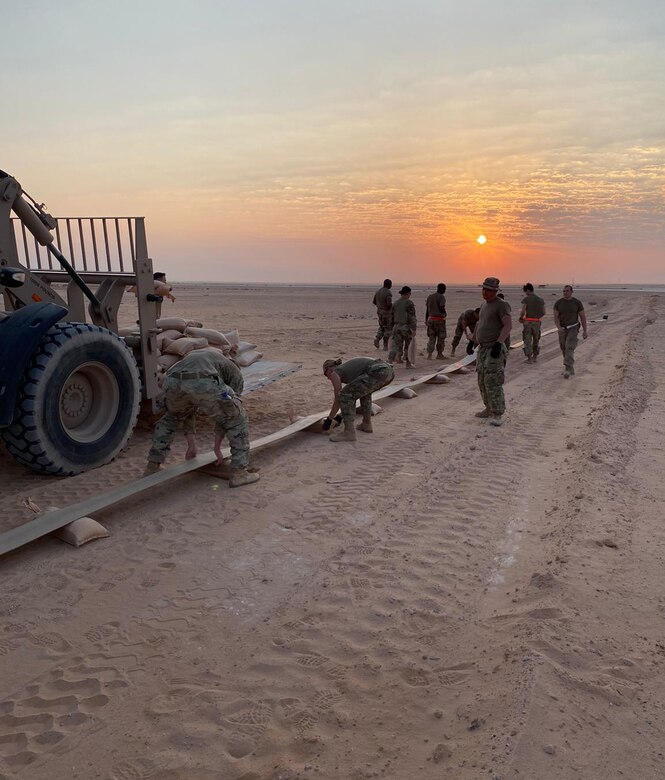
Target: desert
[(439, 599)]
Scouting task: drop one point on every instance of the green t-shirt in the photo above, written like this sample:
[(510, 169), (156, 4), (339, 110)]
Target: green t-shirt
[(569, 311), (489, 324), (211, 361), (535, 305)]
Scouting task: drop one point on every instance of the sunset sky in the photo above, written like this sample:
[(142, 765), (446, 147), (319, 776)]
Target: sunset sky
[(345, 141)]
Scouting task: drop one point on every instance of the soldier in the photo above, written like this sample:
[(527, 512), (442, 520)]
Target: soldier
[(361, 377), (404, 328), (435, 319), (163, 288), (491, 333), (383, 300), (466, 324), (533, 310), (568, 316), (204, 381)]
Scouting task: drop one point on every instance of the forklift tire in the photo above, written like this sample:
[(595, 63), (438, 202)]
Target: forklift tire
[(78, 402)]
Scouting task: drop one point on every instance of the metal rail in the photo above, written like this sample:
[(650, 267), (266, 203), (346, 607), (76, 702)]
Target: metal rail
[(77, 237)]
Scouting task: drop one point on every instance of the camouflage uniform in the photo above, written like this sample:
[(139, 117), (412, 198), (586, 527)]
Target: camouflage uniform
[(385, 317), (534, 311), (404, 313), (467, 319), (436, 333), (383, 302), (208, 383), (490, 372), (435, 318), (378, 375), (568, 343)]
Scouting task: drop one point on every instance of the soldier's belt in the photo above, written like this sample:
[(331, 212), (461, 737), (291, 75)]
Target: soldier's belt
[(193, 375), (532, 319), (435, 318)]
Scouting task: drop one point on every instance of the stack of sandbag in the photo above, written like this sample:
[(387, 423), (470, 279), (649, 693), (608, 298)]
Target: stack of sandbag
[(178, 337)]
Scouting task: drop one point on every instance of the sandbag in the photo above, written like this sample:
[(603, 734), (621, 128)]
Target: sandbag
[(233, 337), (172, 323), (438, 379), (166, 361), (406, 392), (247, 358), (194, 324), (80, 531), (184, 346), (245, 346), (164, 338), (213, 337), (129, 332)]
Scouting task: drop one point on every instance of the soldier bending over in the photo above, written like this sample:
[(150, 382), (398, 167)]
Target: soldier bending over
[(360, 377), (205, 382)]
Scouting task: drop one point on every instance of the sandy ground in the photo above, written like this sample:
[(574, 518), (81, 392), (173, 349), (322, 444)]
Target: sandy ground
[(439, 600)]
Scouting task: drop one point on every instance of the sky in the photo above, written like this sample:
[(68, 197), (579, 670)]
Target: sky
[(343, 141)]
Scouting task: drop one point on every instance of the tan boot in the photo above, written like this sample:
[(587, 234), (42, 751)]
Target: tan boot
[(242, 477), (348, 434), (398, 359), (409, 364), (429, 355), (485, 413), (151, 468), (440, 356), (366, 424), (496, 420)]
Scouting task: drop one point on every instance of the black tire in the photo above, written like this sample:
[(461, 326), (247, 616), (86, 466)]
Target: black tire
[(78, 402)]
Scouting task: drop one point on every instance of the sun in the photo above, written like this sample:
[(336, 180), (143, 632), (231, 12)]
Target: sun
[(482, 240)]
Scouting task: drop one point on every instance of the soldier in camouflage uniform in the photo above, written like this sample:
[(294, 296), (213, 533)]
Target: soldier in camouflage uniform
[(533, 311), (435, 319), (491, 333), (208, 383), (404, 329), (356, 379), (569, 315), (466, 324), (383, 300)]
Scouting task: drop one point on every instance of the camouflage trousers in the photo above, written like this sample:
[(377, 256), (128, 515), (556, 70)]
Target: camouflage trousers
[(399, 346), (568, 343), (385, 318), (183, 399), (436, 333), (531, 337), (490, 372), (378, 375)]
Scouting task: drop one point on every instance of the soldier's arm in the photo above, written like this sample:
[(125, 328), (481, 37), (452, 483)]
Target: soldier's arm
[(389, 301), (337, 386), (557, 321), (374, 300), (506, 325), (583, 321), (413, 321)]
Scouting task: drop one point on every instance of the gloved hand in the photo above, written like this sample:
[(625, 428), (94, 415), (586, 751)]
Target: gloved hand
[(327, 423), (522, 319), (469, 348), (338, 419), (495, 352)]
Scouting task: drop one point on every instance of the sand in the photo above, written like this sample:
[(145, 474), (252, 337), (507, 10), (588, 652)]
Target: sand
[(440, 599)]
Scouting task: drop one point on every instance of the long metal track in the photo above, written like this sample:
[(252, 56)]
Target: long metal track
[(51, 521)]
